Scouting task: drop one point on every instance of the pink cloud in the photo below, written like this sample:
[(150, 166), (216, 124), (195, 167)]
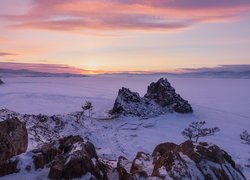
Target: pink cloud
[(7, 54), (52, 68), (75, 15)]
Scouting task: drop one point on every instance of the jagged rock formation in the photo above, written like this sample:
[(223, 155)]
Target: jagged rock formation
[(160, 98), (164, 94), (13, 141), (130, 103), (184, 161), (1, 82)]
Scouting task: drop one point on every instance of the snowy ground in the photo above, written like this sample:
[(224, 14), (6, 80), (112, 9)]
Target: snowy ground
[(221, 102)]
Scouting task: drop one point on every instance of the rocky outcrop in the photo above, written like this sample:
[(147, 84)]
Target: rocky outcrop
[(13, 138), (185, 161), (164, 94), (130, 103), (13, 141), (75, 157), (1, 82), (69, 157), (78, 157), (160, 98)]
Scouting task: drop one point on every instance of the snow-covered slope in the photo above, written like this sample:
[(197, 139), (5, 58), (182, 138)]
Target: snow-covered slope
[(221, 102)]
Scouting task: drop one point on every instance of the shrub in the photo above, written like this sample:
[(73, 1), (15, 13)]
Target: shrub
[(197, 130)]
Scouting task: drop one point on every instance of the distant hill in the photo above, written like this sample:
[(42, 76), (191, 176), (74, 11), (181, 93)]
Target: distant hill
[(203, 74), (219, 74), (29, 73)]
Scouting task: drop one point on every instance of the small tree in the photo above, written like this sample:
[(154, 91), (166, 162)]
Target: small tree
[(88, 106), (196, 130), (245, 137)]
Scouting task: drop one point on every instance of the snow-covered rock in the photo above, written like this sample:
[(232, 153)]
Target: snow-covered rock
[(67, 158), (160, 98), (185, 161), (42, 128), (78, 158), (164, 94), (130, 103)]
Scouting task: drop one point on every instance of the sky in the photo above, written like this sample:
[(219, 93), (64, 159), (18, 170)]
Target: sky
[(96, 36)]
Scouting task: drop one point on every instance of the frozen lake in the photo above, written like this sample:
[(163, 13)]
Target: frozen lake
[(63, 95)]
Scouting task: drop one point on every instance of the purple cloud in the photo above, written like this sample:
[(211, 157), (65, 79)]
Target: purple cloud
[(70, 15)]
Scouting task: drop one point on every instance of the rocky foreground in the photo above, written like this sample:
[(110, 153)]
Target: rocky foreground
[(75, 156), (159, 99)]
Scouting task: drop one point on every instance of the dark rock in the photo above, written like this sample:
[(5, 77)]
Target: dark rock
[(13, 141), (13, 138), (44, 155), (78, 157), (8, 167), (56, 170), (123, 168), (160, 98), (163, 148), (1, 82), (164, 94)]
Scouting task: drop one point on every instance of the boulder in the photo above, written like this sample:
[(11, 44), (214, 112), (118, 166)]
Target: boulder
[(161, 149), (13, 138), (78, 158), (44, 155), (1, 82), (160, 98)]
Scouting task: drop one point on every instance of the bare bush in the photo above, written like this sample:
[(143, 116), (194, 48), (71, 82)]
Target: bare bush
[(245, 137), (196, 130)]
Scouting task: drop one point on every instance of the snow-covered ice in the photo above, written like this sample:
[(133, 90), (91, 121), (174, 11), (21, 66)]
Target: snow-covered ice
[(220, 102)]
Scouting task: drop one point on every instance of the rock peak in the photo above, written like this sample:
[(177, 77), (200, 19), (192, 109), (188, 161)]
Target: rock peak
[(160, 98)]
